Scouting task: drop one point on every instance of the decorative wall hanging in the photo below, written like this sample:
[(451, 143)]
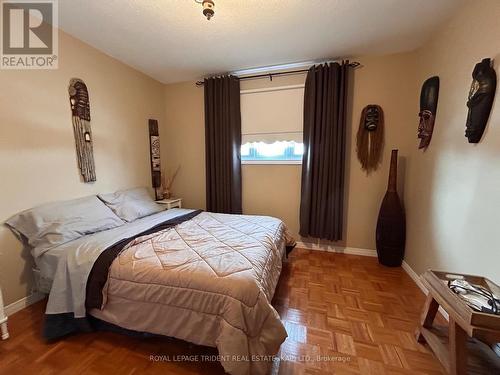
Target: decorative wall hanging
[(391, 223), (80, 110), (428, 107), (481, 96), (370, 137), (154, 147)]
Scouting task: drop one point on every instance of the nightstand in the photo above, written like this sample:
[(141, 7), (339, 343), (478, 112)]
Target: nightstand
[(171, 203), (3, 319)]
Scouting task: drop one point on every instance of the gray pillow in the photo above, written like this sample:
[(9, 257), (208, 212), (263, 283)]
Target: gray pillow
[(131, 204), (53, 224)]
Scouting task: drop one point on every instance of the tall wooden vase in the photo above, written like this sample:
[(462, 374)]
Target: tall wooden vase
[(391, 224)]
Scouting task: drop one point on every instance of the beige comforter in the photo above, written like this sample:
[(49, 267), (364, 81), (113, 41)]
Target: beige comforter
[(210, 281)]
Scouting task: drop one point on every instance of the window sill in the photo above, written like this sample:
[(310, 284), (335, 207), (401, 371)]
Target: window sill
[(271, 162)]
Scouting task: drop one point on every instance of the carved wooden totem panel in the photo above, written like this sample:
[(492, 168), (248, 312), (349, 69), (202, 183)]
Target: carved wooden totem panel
[(80, 110), (154, 144)]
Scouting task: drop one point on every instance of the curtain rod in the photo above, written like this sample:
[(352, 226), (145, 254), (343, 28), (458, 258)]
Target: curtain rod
[(353, 64)]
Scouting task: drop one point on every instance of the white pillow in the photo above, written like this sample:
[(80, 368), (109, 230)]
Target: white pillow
[(131, 204), (53, 224)]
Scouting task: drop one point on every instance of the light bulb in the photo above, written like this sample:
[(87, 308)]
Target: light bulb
[(208, 9)]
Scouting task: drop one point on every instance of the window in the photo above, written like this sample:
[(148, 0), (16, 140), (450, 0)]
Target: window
[(271, 125), (282, 152)]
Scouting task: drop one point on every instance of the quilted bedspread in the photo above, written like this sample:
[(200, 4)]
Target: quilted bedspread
[(208, 280)]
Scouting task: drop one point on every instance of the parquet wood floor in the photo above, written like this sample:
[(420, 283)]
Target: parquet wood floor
[(344, 315)]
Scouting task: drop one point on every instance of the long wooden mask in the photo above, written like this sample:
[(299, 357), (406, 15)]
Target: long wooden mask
[(481, 96), (80, 110), (428, 107), (370, 137)]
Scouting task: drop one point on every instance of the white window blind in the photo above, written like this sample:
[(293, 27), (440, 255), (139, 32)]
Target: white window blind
[(273, 114)]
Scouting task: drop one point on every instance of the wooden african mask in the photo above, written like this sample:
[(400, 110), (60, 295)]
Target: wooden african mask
[(370, 137), (80, 110), (481, 96), (428, 107)]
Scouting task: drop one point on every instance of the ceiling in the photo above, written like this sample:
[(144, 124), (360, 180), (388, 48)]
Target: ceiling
[(171, 41)]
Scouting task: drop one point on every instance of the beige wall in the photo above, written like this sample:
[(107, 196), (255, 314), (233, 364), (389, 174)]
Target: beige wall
[(275, 189), (183, 141), (388, 81), (37, 149), (453, 189)]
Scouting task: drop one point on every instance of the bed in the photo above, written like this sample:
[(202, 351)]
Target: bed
[(201, 277)]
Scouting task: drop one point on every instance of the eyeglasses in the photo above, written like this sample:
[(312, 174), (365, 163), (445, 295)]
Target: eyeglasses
[(476, 296)]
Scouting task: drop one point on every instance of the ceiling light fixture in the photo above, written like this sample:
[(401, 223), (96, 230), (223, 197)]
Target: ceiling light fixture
[(208, 8)]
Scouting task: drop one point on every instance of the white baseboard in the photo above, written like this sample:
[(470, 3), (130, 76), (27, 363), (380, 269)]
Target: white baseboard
[(23, 303), (337, 249), (414, 277), (422, 287)]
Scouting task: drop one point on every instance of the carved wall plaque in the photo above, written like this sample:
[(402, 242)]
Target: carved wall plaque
[(154, 144), (370, 137), (80, 110)]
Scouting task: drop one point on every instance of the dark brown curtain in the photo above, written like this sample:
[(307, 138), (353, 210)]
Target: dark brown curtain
[(323, 163), (223, 144)]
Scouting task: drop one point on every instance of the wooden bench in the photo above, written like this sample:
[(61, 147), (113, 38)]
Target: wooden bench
[(463, 349)]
